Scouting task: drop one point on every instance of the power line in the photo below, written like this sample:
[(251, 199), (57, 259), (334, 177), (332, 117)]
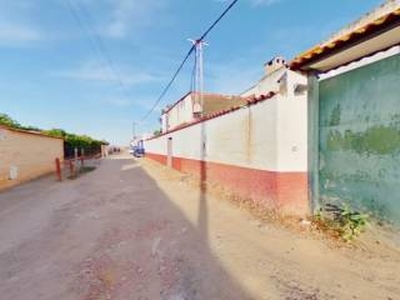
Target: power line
[(203, 36), (217, 20), (165, 90), (96, 43), (103, 49)]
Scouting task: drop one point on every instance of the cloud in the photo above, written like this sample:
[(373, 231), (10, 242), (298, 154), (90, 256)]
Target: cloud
[(128, 15), (18, 35), (16, 29), (92, 71), (118, 19)]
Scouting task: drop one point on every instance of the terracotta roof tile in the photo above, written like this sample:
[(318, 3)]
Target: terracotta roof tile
[(320, 50)]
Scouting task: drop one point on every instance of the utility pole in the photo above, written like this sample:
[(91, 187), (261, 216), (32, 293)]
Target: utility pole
[(199, 76), (134, 130)]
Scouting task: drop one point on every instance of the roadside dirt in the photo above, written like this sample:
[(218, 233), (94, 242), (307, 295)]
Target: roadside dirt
[(285, 258), (136, 230)]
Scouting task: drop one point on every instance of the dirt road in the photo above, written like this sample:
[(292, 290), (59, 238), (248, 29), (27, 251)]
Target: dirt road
[(127, 231)]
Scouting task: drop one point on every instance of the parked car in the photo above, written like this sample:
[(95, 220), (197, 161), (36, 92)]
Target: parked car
[(138, 152)]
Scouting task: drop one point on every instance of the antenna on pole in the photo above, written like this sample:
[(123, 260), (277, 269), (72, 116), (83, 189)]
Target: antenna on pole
[(199, 77)]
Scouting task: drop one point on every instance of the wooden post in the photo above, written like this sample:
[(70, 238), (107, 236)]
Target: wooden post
[(71, 168), (58, 169), (75, 162), (82, 157)]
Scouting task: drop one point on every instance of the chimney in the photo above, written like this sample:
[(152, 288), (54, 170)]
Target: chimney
[(274, 64)]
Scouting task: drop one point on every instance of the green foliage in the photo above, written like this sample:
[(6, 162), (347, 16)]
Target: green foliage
[(60, 133), (345, 221), (352, 223), (8, 121), (157, 132), (72, 141)]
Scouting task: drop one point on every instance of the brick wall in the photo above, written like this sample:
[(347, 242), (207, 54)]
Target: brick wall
[(31, 154)]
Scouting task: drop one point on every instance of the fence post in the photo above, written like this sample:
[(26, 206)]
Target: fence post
[(58, 169), (82, 157), (76, 154), (71, 168)]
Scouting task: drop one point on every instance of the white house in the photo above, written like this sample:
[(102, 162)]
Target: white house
[(278, 77), (193, 106)]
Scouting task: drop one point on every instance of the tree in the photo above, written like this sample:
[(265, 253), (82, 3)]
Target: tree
[(8, 121), (157, 132), (71, 140), (55, 132)]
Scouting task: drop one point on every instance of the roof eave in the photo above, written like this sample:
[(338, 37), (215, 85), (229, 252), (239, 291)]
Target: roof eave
[(310, 60)]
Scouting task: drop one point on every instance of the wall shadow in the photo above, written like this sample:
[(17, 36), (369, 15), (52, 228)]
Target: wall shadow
[(202, 219), (131, 242), (193, 271)]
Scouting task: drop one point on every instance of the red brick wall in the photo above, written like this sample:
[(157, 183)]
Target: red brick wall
[(285, 191), (162, 159)]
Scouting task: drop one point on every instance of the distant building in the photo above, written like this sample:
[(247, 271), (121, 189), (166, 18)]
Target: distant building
[(191, 107)]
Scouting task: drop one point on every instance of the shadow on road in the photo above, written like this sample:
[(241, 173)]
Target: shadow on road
[(112, 234), (202, 219), (194, 272)]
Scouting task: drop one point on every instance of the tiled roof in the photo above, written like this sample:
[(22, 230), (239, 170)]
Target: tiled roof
[(323, 50), (249, 102)]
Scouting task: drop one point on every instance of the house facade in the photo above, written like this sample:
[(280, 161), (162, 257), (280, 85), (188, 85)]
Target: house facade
[(193, 105), (26, 155)]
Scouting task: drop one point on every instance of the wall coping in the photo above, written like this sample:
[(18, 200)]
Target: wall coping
[(35, 133), (250, 102)]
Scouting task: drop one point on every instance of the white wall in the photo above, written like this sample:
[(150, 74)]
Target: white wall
[(270, 135), (181, 113), (292, 126)]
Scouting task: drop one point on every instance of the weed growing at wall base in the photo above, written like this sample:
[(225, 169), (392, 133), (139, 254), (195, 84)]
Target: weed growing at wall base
[(346, 222)]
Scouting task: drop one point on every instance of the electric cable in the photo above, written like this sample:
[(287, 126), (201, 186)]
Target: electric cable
[(203, 36)]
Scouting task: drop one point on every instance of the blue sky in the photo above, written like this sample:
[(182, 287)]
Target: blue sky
[(56, 73)]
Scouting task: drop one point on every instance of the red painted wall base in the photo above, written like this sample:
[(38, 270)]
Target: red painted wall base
[(283, 191)]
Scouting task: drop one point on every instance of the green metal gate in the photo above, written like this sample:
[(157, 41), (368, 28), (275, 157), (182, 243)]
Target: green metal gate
[(359, 139)]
